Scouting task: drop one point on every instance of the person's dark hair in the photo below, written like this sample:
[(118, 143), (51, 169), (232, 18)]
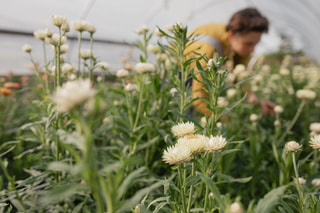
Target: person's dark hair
[(247, 20)]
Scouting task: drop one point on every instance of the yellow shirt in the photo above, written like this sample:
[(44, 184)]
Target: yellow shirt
[(204, 45)]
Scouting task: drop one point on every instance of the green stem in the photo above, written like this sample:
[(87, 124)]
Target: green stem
[(191, 189), (46, 66), (292, 122), (128, 106), (298, 183), (206, 199), (140, 101), (91, 59), (79, 48), (183, 189), (58, 59)]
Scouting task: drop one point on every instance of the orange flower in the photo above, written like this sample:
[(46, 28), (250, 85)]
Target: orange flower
[(5, 91)]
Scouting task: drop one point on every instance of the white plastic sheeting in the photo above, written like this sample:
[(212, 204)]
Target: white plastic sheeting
[(118, 21)]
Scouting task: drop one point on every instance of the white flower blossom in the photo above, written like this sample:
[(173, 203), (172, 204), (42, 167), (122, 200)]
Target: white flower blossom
[(316, 182), (215, 143), (278, 109), (315, 142), (122, 73), (142, 30), (314, 127), (292, 146), (254, 117), (72, 93), (27, 48), (235, 208), (183, 129), (40, 34), (58, 20), (145, 68), (196, 143), (80, 25), (176, 154), (66, 67), (86, 53), (306, 94)]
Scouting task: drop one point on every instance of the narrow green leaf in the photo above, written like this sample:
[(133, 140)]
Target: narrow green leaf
[(271, 199), (128, 181)]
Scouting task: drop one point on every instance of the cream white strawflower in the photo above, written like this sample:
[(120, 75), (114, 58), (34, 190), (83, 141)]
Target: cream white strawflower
[(306, 94), (203, 121), (65, 27), (142, 30), (58, 20), (235, 208), (183, 129), (277, 123), (66, 67), (85, 53), (80, 25), (254, 117), (122, 73), (40, 34), (284, 72), (196, 143), (215, 143), (129, 87), (278, 109), (315, 142), (314, 127), (176, 154), (144, 67), (103, 65), (153, 48), (54, 39), (173, 91), (302, 181), (91, 29), (231, 93), (222, 102), (27, 48), (48, 32), (292, 146), (64, 48), (316, 182), (72, 93)]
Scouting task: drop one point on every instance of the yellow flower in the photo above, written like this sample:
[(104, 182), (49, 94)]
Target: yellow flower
[(196, 143), (292, 146), (215, 144), (315, 142), (183, 129), (176, 154)]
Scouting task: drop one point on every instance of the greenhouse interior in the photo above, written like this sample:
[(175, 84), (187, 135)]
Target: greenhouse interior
[(160, 106)]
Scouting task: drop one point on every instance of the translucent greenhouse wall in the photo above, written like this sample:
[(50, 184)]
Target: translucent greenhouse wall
[(118, 21)]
